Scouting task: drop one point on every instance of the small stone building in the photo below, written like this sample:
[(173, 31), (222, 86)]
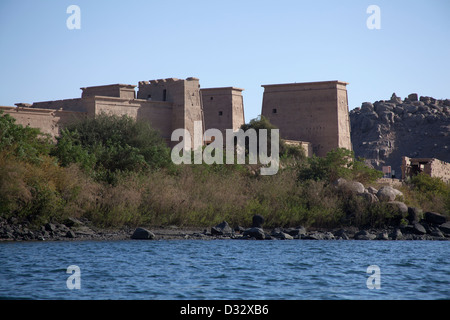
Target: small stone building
[(430, 166)]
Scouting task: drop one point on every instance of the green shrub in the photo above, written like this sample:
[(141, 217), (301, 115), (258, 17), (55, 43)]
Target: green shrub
[(108, 145), (430, 193), (285, 150), (427, 184), (25, 143), (338, 163)]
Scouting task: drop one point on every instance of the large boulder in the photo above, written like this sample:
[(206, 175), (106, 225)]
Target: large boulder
[(399, 211), (434, 217), (257, 221), (353, 186), (222, 229), (388, 193), (367, 107), (419, 229), (142, 234), (364, 235), (296, 232), (396, 234), (399, 207), (341, 234), (50, 227), (414, 214), (72, 222), (382, 236), (445, 228), (415, 228), (369, 197), (413, 97), (315, 235), (281, 235), (70, 234), (372, 190), (254, 232)]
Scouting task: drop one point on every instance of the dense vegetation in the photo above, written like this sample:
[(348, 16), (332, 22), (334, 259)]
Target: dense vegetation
[(115, 171)]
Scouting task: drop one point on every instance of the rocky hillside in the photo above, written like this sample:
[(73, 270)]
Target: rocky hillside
[(386, 130)]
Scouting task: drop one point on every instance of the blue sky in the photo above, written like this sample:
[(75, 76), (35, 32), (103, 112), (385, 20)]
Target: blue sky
[(224, 43)]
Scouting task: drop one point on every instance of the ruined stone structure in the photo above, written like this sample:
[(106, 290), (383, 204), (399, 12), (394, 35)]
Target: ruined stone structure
[(429, 166), (223, 108), (316, 112), (167, 104), (386, 130), (48, 120), (312, 115)]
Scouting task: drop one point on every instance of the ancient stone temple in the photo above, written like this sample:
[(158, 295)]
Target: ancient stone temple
[(316, 112), (313, 115)]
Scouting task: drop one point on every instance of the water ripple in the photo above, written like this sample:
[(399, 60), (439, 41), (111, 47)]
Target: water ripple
[(235, 270)]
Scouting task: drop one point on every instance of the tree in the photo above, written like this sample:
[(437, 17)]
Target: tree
[(285, 150), (109, 144), (338, 163), (26, 143)]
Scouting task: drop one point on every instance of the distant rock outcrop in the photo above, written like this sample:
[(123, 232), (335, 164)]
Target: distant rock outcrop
[(384, 131)]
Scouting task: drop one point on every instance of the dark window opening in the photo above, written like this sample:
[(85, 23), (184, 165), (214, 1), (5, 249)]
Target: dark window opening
[(212, 98), (220, 113), (274, 110), (165, 95), (149, 97)]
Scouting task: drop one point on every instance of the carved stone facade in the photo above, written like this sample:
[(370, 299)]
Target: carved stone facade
[(313, 115), (316, 112)]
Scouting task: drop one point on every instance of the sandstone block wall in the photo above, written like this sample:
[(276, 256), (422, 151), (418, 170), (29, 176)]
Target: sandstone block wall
[(74, 105), (432, 167), (185, 99), (315, 111), (305, 145), (159, 114), (124, 91), (49, 121), (440, 169), (314, 114), (223, 108)]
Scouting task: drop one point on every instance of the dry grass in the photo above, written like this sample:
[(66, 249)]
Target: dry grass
[(196, 196)]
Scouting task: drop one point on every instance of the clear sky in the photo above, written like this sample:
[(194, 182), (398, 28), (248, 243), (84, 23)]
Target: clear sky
[(225, 43)]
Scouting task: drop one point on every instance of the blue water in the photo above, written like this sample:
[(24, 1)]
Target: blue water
[(225, 269)]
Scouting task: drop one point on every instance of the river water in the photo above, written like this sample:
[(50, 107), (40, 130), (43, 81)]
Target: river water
[(225, 270)]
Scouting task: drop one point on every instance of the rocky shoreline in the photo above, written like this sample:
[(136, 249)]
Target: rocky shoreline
[(432, 227)]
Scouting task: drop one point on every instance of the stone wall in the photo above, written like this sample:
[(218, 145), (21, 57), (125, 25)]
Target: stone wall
[(74, 105), (305, 145), (159, 114), (185, 99), (314, 114), (124, 91), (440, 169), (48, 121), (432, 167), (223, 108), (191, 109), (315, 111)]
